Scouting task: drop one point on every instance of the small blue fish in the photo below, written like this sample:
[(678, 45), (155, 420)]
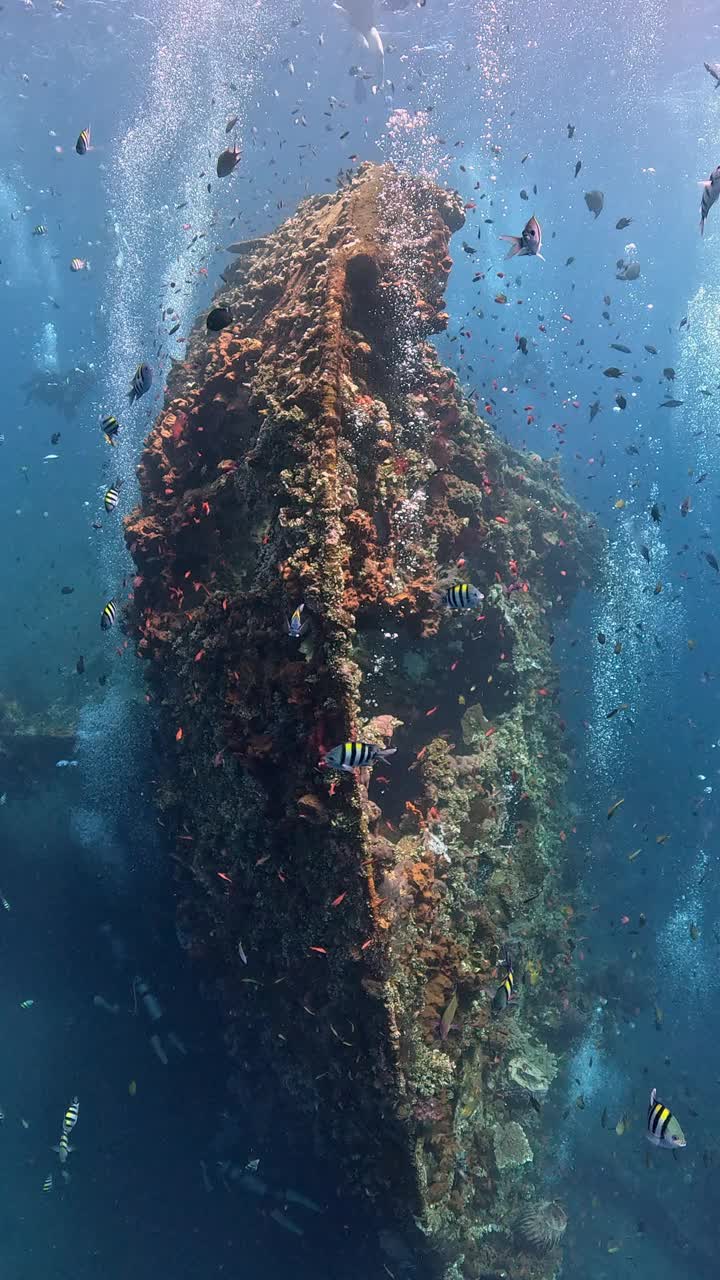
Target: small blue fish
[(142, 382), (296, 626)]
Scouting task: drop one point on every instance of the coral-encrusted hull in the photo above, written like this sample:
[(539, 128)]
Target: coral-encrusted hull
[(316, 451)]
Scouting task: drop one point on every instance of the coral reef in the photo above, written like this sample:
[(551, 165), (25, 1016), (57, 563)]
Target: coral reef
[(354, 925)]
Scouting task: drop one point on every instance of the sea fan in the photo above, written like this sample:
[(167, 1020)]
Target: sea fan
[(542, 1225)]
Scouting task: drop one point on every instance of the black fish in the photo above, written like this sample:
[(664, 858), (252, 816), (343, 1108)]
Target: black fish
[(80, 666), (594, 409), (712, 561), (571, 130), (219, 318), (651, 349), (669, 374), (66, 591), (655, 513), (231, 124), (55, 437), (618, 346), (578, 167), (601, 637), (595, 202), (226, 161), (622, 223), (645, 553), (671, 404), (612, 372), (620, 401)]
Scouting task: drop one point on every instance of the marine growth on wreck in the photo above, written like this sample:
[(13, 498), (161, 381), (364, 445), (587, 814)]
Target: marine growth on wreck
[(359, 927)]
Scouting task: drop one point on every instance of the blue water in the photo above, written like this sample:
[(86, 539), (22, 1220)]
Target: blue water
[(81, 856)]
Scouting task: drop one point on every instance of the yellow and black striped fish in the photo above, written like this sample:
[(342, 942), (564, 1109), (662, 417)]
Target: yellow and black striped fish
[(83, 143), (463, 596), (110, 426), (48, 1183), (108, 615), (78, 264), (63, 1147), (71, 1116), (39, 230), (141, 382), (111, 498), (354, 755), (663, 1129)]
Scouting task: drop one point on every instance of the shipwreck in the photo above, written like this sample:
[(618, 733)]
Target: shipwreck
[(356, 927)]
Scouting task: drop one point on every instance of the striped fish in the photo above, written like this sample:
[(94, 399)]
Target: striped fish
[(110, 426), (78, 264), (82, 146), (71, 1116), (111, 498), (663, 1129), (142, 382), (48, 1183), (39, 230), (711, 191), (63, 1147), (355, 755), (108, 615), (463, 596)]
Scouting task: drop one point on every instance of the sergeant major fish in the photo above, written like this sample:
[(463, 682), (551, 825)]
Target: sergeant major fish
[(110, 426), (63, 1147), (70, 1118), (663, 1129), (355, 755), (112, 497), (463, 595), (108, 615), (82, 146), (142, 382)]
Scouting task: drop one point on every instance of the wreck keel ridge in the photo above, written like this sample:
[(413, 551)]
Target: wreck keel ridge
[(317, 452)]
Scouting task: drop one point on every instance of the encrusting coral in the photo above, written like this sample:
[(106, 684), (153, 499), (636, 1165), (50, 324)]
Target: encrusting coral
[(317, 452)]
